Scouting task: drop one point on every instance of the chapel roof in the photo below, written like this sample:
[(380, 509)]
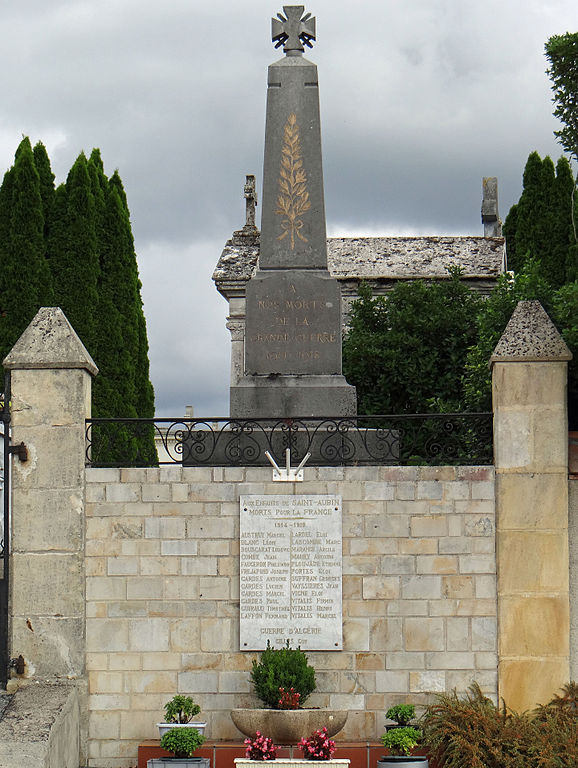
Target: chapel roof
[(377, 259)]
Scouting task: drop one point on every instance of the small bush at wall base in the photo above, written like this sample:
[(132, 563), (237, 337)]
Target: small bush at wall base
[(472, 731)]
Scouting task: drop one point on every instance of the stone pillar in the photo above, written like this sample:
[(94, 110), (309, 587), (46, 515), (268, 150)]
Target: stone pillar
[(490, 216), (51, 385), (529, 379), (236, 325)]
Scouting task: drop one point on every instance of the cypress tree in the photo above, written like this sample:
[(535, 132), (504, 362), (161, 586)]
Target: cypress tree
[(134, 315), (510, 227), (558, 267), (5, 216), (25, 279), (113, 388), (74, 259), (539, 227), (78, 238), (534, 210), (145, 394), (119, 346), (42, 162)]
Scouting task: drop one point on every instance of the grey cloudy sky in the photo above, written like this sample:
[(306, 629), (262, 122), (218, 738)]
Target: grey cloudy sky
[(419, 100)]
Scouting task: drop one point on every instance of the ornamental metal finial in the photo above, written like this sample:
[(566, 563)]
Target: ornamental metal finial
[(293, 30)]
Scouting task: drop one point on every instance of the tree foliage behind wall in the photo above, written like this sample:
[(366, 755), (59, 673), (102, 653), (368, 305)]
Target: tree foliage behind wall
[(406, 352), (425, 347), (73, 247), (539, 226)]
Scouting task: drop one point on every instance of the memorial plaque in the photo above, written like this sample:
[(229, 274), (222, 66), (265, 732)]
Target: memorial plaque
[(290, 572), (293, 324)]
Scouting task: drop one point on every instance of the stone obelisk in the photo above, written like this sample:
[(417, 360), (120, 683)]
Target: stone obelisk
[(292, 362)]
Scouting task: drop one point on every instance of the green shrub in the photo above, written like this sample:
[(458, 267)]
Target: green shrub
[(180, 709), (400, 741), (401, 713), (402, 350), (282, 668), (182, 742), (472, 731)]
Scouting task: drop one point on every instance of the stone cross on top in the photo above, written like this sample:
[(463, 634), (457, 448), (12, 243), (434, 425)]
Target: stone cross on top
[(250, 201), (293, 30)]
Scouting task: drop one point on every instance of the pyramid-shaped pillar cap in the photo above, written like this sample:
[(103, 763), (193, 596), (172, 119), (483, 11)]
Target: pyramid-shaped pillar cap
[(49, 342), (530, 336)]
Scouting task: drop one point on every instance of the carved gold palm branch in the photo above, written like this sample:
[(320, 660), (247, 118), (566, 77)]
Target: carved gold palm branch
[(293, 198)]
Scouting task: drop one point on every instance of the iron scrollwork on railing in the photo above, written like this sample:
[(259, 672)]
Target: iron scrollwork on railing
[(452, 438)]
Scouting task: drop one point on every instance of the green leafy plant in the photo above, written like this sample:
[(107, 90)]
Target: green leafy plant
[(472, 731), (400, 741), (181, 709), (401, 713), (182, 742), (402, 350), (286, 668), (562, 55)]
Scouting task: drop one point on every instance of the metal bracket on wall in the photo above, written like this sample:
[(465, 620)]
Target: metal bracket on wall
[(287, 475), (20, 450)]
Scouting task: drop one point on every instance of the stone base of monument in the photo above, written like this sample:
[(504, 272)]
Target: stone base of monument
[(285, 396), (329, 441)]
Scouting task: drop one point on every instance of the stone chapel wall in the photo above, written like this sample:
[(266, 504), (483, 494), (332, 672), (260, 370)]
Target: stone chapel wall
[(162, 564)]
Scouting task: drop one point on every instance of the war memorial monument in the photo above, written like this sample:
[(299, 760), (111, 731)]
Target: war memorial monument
[(292, 353)]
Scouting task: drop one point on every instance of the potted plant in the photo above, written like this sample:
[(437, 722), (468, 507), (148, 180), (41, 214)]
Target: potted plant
[(400, 741), (318, 746), (402, 714), (260, 748), (283, 679), (182, 742), (179, 712)]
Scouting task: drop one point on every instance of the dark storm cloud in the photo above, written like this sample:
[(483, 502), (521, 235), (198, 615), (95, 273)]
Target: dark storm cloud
[(419, 101)]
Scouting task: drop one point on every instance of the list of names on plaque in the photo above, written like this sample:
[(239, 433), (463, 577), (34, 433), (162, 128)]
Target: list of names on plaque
[(290, 572)]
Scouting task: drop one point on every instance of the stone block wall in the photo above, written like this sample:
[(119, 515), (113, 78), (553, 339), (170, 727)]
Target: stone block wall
[(573, 536), (162, 590)]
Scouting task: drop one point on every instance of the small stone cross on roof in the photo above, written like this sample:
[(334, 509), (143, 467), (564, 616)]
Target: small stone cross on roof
[(251, 201), (293, 30)]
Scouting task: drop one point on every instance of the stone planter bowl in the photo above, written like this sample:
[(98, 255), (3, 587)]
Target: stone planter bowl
[(288, 726)]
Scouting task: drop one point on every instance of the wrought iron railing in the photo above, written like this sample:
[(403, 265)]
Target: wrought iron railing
[(449, 438)]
